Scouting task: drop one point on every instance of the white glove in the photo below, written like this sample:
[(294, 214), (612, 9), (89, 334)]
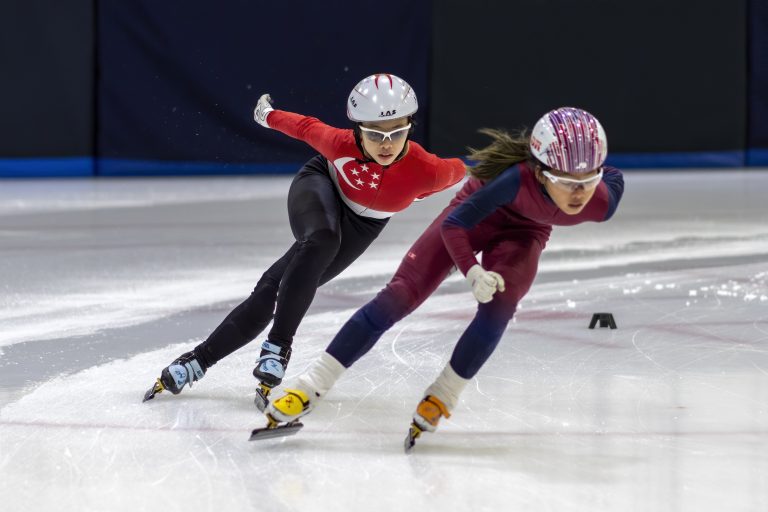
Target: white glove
[(262, 110), (484, 283)]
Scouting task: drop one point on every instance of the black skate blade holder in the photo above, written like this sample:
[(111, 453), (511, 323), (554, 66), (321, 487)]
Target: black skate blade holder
[(156, 388), (605, 320), (288, 429), (414, 432), (261, 400)]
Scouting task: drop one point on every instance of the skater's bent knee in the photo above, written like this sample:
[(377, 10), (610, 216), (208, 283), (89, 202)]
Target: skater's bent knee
[(324, 242), (497, 311)]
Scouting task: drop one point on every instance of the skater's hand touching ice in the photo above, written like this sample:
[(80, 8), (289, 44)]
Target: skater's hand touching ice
[(484, 283), (262, 110)]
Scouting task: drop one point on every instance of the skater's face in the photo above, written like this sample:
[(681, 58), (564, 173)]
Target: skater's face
[(571, 194), (384, 140)]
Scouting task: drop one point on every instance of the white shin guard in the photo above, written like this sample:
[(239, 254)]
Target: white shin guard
[(321, 376), (447, 387)]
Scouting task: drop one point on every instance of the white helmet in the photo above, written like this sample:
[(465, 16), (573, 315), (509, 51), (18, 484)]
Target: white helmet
[(381, 96), (569, 140)]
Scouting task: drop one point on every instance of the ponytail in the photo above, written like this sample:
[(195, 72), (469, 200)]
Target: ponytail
[(504, 151)]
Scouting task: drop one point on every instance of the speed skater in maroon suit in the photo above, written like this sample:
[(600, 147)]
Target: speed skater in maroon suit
[(338, 203), (519, 187)]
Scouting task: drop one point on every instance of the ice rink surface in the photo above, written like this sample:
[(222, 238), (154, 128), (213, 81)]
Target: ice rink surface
[(104, 282)]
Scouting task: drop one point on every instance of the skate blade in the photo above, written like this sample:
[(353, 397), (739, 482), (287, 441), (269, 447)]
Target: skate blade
[(410, 440), (262, 397), (288, 429), (155, 389)]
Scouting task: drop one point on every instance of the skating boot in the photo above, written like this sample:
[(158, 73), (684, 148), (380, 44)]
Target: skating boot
[(427, 416), (283, 415), (186, 369), (270, 370)]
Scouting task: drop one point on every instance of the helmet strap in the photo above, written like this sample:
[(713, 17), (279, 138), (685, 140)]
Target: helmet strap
[(537, 167), (404, 151), (359, 142), (407, 140)]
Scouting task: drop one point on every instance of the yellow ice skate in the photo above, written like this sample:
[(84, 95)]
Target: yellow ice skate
[(427, 416), (283, 415)]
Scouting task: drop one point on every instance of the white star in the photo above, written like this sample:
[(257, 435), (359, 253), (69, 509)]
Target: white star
[(375, 176), (360, 182), (364, 167), (354, 171), (373, 185)]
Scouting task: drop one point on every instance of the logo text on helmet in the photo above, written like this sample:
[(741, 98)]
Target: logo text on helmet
[(352, 101), (536, 143), (388, 113)]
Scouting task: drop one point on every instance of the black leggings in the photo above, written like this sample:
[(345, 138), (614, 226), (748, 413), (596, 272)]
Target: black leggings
[(329, 237)]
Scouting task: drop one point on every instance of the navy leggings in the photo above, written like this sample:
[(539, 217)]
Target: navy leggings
[(329, 237), (511, 252)]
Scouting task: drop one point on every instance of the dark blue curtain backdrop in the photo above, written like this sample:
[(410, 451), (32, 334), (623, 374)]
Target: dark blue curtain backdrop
[(178, 79), (46, 87), (758, 83), (667, 78), (149, 87)]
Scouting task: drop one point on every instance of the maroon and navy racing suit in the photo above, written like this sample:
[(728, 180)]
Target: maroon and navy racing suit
[(509, 219), (338, 203)]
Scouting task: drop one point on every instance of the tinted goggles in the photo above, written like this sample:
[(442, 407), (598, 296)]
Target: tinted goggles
[(573, 183), (377, 136)]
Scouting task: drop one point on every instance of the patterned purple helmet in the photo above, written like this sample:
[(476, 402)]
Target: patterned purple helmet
[(569, 140)]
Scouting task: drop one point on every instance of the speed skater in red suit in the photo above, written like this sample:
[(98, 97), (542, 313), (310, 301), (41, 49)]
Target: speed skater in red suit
[(338, 203)]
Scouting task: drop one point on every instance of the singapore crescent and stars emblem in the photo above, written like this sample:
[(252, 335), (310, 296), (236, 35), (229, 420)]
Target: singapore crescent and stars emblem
[(359, 179)]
